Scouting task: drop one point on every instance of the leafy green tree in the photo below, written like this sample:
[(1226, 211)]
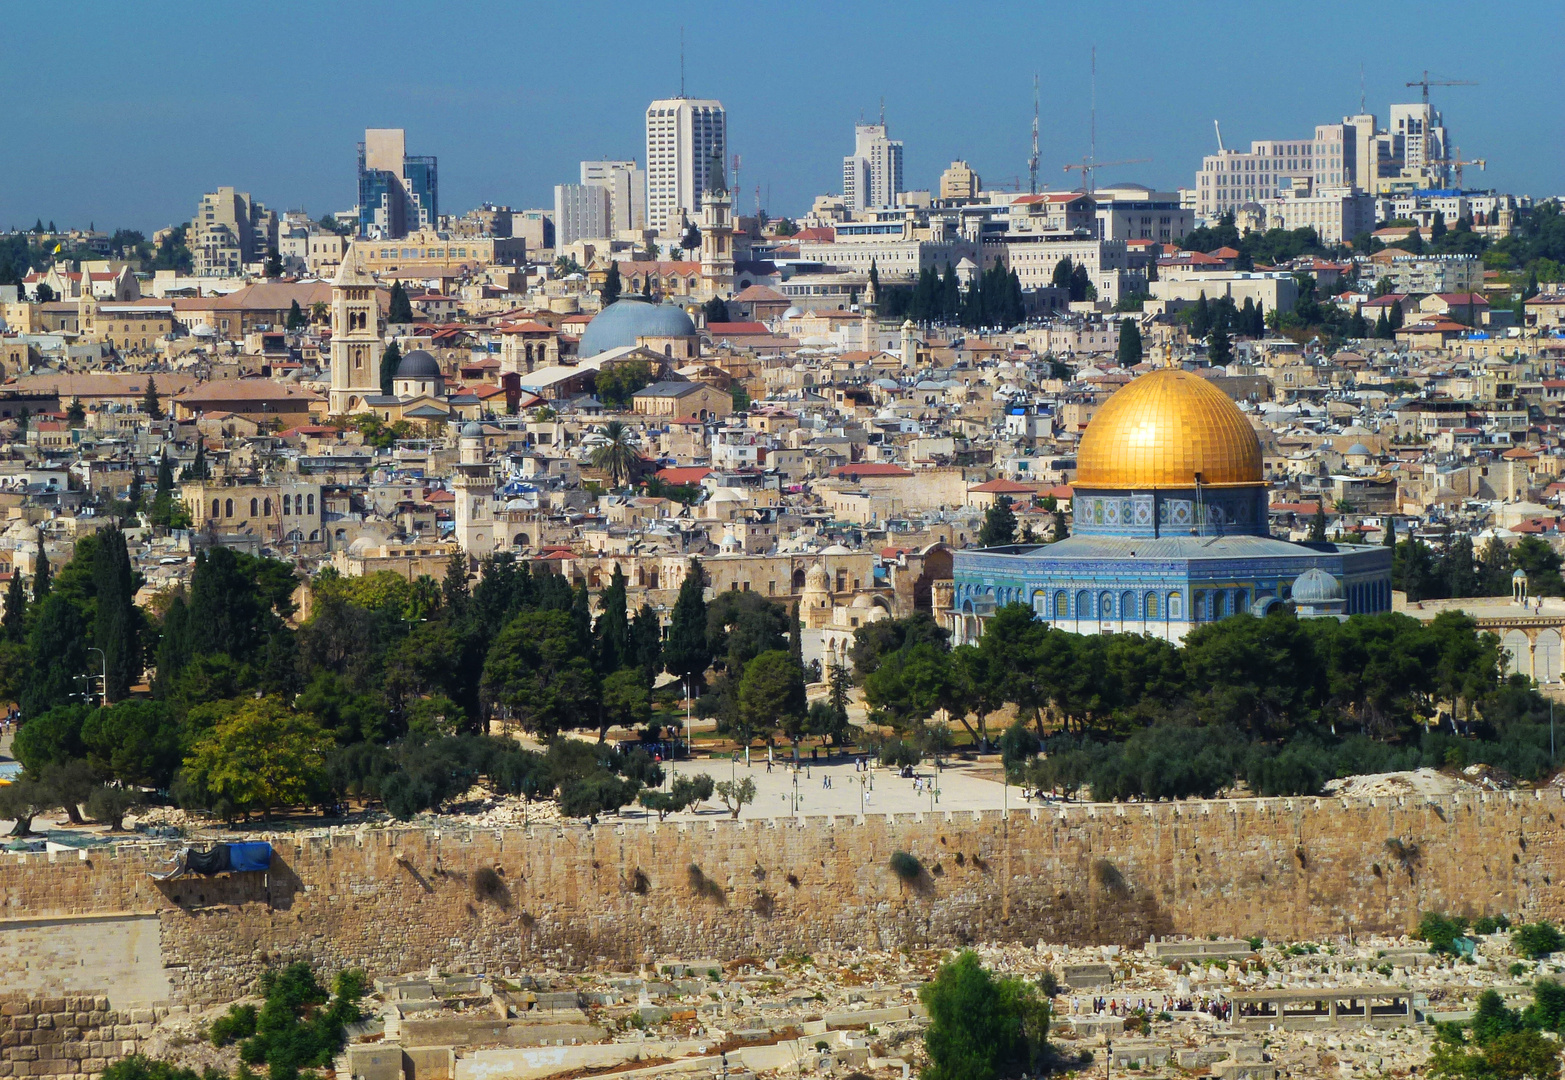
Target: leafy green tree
[(999, 526), (399, 309), (874, 641), (296, 320), (741, 625), (76, 413), (390, 360), (41, 572), (260, 755), (1318, 523), (683, 793), (612, 285), (646, 641), (714, 311), (539, 671), (617, 384), (22, 800), (58, 632), (771, 694), (136, 741), (685, 651), (736, 794), (909, 685), (625, 700), (274, 264), (981, 1027)]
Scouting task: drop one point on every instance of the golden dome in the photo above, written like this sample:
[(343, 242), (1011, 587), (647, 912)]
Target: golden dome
[(1162, 430)]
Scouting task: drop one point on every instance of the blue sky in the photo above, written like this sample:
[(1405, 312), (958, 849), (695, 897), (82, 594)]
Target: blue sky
[(125, 114)]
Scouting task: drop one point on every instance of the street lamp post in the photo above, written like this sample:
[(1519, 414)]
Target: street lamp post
[(100, 652)]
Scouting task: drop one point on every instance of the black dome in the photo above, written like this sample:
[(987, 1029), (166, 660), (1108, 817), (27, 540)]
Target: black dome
[(418, 364)]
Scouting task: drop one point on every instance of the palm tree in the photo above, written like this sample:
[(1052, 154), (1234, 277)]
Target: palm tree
[(319, 312), (615, 457)]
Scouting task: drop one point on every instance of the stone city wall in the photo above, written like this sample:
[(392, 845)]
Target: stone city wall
[(67, 1036), (397, 900)]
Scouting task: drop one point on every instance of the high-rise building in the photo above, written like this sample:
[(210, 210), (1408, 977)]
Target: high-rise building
[(872, 174), (1419, 138), (627, 188), (398, 193), (959, 182), (683, 136), (581, 212), (230, 230)]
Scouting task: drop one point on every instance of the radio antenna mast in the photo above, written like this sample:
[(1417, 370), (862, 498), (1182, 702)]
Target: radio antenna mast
[(1092, 147), (681, 61), (1032, 160)]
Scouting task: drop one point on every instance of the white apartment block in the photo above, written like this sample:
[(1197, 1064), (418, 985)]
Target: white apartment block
[(581, 212), (230, 229), (1420, 137), (1430, 273), (627, 188), (872, 174), (1336, 214), (683, 135), (1132, 212), (1231, 178)]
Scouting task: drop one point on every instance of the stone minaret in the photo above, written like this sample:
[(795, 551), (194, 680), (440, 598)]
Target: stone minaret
[(355, 339)]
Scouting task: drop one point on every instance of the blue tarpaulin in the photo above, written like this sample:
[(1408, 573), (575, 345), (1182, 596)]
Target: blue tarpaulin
[(256, 856)]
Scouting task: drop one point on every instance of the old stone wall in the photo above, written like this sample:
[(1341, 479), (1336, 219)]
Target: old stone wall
[(68, 1036), (394, 900)]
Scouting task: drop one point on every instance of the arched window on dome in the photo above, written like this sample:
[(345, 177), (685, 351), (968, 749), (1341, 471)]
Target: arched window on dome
[(1084, 605), (1062, 605), (1151, 605), (1176, 606), (1127, 605), (1241, 601)]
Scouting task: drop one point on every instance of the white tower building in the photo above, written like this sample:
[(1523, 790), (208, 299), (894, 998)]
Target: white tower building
[(473, 484), (683, 135), (872, 174)]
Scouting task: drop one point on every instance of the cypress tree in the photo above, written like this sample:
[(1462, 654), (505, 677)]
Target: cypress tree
[(173, 645), (613, 626), (390, 360), (115, 628), (399, 309), (646, 641), (796, 636), (59, 634), (41, 573), (686, 650), (13, 625), (150, 403), (1129, 342), (134, 495)]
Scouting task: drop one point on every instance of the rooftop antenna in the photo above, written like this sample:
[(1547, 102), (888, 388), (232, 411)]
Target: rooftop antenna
[(681, 61), (1092, 147), (882, 110), (1032, 159), (1361, 89)]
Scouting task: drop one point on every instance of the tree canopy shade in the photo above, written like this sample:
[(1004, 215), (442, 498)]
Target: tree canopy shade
[(399, 309), (999, 526)]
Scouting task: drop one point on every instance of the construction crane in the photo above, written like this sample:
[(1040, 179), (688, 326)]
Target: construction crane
[(1426, 82), (1088, 167), (1219, 129), (1457, 163), (1032, 159), (1010, 183)]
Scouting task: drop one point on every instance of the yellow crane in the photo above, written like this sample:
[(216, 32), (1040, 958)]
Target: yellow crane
[(1088, 167), (1426, 82)]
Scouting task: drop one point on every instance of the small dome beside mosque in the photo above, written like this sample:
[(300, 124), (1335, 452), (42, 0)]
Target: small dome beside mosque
[(815, 579), (472, 430), (1315, 586)]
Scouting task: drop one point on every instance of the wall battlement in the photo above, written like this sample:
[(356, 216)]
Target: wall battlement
[(399, 899)]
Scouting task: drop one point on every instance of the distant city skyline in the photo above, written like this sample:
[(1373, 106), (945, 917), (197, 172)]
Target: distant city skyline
[(129, 140)]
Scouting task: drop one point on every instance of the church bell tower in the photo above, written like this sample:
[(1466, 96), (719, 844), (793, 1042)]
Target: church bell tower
[(355, 339)]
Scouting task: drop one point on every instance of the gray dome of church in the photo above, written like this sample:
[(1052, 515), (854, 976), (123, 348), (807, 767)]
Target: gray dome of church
[(623, 321), (1315, 586), (418, 364)]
